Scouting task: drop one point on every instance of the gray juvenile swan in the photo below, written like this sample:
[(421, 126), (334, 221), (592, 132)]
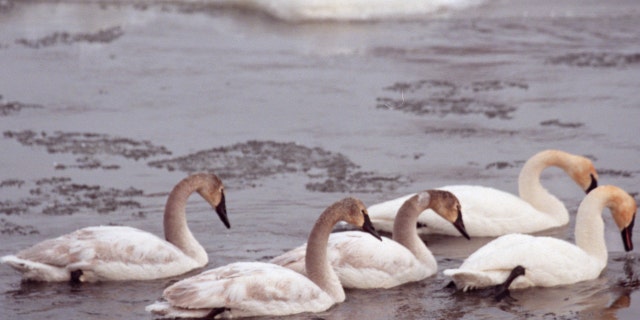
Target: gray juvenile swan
[(111, 253), (245, 289), (365, 263)]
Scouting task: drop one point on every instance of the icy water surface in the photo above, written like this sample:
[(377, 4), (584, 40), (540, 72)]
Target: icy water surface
[(105, 106)]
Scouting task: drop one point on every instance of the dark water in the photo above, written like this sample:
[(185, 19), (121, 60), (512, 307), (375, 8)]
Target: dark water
[(105, 106)]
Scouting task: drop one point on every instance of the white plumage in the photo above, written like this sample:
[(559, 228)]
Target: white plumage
[(102, 253), (490, 212), (245, 289), (123, 253), (360, 261), (363, 264), (550, 261)]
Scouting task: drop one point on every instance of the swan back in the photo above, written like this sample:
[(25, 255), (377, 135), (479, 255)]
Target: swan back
[(102, 253), (242, 289)]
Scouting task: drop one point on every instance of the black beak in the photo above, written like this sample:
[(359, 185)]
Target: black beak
[(221, 209), (626, 235), (593, 185), (459, 224), (368, 227)]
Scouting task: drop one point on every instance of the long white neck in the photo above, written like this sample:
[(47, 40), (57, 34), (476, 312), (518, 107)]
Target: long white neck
[(532, 191), (318, 268), (589, 231), (405, 231), (176, 230)]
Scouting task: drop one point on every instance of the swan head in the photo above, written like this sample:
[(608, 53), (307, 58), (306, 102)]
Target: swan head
[(583, 172), (447, 205), (355, 212), (623, 209), (212, 190)]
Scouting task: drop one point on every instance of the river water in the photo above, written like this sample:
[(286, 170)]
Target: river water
[(106, 105)]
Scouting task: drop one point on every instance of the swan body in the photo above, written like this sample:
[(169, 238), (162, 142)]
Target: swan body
[(112, 253), (244, 289), (550, 261), (363, 262), (491, 212), (187, 299)]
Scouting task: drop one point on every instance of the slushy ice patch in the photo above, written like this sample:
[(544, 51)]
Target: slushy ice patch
[(245, 164)]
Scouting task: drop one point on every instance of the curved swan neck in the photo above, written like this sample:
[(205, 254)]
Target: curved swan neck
[(589, 232), (404, 226), (318, 268), (532, 191), (176, 230)]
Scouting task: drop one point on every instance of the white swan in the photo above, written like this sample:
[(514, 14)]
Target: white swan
[(547, 261), (244, 289), (363, 262), (490, 212), (122, 253)]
